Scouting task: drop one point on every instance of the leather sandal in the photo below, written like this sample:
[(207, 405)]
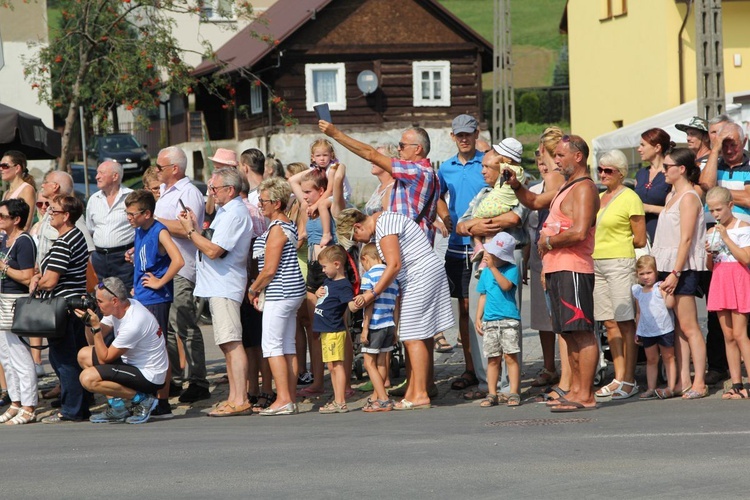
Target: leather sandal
[(22, 417)]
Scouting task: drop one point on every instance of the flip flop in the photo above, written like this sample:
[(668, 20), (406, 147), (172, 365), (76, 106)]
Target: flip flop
[(408, 405), (309, 393), (576, 407)]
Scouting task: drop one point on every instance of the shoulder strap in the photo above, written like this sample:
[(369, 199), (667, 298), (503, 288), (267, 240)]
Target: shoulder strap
[(565, 187)]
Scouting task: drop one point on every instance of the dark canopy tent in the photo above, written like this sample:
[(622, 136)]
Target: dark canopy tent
[(26, 133)]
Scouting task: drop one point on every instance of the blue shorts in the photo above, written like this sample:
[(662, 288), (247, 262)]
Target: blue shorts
[(666, 340), (689, 283)]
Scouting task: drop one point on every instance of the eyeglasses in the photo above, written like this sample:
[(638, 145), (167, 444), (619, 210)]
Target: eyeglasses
[(216, 188), (6, 166), (55, 212), (131, 215), (605, 170), (6, 216), (42, 204), (402, 145), (666, 166), (262, 202), (159, 168), (102, 286)]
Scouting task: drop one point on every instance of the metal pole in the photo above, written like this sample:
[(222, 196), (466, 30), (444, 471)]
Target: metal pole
[(85, 156)]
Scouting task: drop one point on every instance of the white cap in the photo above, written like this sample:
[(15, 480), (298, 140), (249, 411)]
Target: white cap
[(502, 247)]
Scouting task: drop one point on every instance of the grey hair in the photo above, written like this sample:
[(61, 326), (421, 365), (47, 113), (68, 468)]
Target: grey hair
[(230, 176), (737, 128), (116, 286), (720, 119), (115, 166), (423, 139), (615, 158), (389, 149), (62, 179), (278, 189), (177, 157)]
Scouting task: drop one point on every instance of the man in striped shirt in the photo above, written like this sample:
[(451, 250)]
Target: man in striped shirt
[(106, 220)]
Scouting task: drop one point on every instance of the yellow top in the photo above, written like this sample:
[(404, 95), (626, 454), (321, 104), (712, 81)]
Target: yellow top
[(614, 235)]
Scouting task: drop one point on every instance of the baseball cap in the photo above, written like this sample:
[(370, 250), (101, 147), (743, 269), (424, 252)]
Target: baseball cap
[(695, 122), (510, 148), (502, 246), (464, 124)]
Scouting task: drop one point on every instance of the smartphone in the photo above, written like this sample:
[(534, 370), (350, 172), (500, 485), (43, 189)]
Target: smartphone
[(182, 205)]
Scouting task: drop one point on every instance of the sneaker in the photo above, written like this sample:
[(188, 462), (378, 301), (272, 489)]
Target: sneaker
[(110, 415), (4, 399), (194, 393), (142, 411), (163, 411), (39, 370), (174, 390), (305, 379), (714, 377)]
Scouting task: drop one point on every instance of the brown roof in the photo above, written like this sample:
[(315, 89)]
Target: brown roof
[(285, 17)]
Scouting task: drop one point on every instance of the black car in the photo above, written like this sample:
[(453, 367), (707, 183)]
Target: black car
[(123, 148), (79, 185)]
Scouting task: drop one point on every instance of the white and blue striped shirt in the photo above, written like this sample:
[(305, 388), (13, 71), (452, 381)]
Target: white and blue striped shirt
[(288, 282), (382, 312)]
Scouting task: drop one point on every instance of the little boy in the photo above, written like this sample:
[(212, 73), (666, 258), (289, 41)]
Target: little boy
[(498, 319), (378, 328), (328, 321), (156, 261)]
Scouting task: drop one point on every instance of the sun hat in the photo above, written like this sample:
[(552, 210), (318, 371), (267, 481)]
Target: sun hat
[(502, 246), (225, 157), (510, 148), (464, 124), (695, 122)]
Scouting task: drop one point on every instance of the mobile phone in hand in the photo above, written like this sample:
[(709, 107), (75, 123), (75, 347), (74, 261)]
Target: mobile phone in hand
[(182, 205)]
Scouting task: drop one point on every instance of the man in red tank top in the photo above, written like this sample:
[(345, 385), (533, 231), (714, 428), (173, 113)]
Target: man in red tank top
[(568, 266)]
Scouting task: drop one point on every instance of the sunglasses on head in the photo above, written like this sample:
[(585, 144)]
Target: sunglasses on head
[(102, 286)]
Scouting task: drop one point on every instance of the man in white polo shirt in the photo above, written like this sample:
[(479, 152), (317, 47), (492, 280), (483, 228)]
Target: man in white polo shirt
[(176, 187)]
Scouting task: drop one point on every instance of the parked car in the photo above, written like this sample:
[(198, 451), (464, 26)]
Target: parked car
[(79, 184), (123, 148)]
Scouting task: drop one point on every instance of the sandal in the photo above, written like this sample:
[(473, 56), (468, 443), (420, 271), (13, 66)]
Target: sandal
[(490, 400), (230, 410), (735, 392), (22, 417), (649, 394), (333, 407), (665, 393), (619, 394), (264, 401), (545, 378), (608, 390), (441, 345), (514, 399), (549, 394), (476, 394), (693, 394), (10, 413), (464, 381), (377, 406)]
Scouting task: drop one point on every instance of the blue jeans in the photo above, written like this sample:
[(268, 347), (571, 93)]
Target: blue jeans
[(112, 264), (63, 356)]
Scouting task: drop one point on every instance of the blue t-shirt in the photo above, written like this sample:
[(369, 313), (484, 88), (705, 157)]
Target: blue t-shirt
[(330, 308), (382, 311), (146, 259), (500, 304), (463, 182)]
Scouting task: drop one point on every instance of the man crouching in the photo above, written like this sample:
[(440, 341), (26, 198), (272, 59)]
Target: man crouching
[(134, 366)]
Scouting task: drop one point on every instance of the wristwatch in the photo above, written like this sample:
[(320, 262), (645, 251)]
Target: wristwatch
[(190, 234), (96, 330), (252, 292), (677, 273), (549, 245)]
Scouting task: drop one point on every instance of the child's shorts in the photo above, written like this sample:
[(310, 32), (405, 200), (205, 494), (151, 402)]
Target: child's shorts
[(380, 340), (333, 345), (501, 337), (666, 340)]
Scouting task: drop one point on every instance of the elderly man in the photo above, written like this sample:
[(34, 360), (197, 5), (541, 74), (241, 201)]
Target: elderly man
[(222, 277), (697, 138), (416, 188), (176, 189), (569, 266), (461, 178), (134, 367), (105, 217)]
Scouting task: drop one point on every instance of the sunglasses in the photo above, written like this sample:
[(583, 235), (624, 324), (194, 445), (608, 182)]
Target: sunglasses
[(605, 170), (6, 166), (102, 286), (159, 168), (6, 216), (402, 145), (667, 166), (42, 204)]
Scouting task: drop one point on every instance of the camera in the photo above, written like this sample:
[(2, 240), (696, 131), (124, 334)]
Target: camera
[(504, 177), (83, 303)]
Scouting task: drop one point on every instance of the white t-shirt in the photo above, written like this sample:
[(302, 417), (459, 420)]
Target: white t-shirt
[(139, 333)]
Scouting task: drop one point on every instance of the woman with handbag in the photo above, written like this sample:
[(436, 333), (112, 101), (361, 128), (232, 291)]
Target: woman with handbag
[(63, 274), (17, 259)]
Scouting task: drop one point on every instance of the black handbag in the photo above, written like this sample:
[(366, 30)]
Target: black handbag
[(36, 317)]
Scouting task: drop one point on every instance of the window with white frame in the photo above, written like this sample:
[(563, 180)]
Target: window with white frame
[(217, 10), (256, 99), (326, 83), (432, 83)]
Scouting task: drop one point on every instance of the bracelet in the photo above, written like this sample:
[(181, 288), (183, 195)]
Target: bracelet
[(96, 330), (190, 234), (374, 293)]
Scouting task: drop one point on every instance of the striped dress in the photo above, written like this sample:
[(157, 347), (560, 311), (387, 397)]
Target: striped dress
[(288, 282), (425, 296)]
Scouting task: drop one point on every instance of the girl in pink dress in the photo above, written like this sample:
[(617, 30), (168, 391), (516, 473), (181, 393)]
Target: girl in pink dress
[(729, 244)]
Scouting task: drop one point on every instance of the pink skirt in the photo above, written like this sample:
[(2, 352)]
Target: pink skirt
[(730, 288)]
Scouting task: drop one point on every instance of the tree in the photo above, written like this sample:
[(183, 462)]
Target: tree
[(108, 53)]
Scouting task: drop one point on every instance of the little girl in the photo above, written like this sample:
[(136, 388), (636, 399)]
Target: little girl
[(323, 157), (501, 199), (729, 244), (655, 327)]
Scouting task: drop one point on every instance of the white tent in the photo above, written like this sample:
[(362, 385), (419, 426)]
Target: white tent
[(628, 138)]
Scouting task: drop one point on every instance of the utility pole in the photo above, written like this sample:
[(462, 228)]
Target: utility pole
[(503, 100), (709, 51)]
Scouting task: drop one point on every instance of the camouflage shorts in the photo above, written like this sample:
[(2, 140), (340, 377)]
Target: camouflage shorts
[(501, 337)]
